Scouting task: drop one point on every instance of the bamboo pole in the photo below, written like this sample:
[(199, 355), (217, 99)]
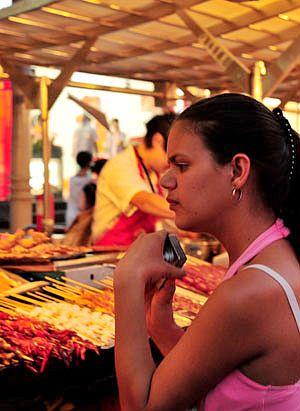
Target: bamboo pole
[(256, 80), (48, 222)]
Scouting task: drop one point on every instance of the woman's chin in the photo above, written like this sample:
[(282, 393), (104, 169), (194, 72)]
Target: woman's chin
[(182, 224)]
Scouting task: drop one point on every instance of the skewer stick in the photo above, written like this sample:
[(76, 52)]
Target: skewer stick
[(48, 297), (7, 311), (54, 281), (104, 284), (60, 293), (88, 287), (29, 300), (14, 304), (106, 280), (40, 297), (7, 303), (66, 290), (4, 304)]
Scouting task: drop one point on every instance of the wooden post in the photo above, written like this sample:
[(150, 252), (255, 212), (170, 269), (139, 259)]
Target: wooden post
[(48, 222), (21, 201), (256, 81)]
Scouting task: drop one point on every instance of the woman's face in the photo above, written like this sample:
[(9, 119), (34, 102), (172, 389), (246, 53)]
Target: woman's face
[(198, 188)]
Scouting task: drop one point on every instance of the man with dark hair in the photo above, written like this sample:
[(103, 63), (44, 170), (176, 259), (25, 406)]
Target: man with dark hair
[(129, 198)]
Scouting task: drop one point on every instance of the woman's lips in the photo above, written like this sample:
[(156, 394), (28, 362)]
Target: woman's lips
[(172, 203)]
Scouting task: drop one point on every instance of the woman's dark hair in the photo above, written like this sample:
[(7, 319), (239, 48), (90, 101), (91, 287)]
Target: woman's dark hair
[(235, 123), (159, 124)]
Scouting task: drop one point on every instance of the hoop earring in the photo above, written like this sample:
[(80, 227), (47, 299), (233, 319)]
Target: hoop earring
[(238, 192)]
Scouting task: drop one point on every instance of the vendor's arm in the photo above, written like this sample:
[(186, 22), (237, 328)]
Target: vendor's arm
[(152, 203)]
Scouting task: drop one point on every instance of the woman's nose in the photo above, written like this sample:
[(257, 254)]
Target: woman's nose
[(168, 180)]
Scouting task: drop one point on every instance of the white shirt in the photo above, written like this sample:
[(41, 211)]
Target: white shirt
[(84, 139), (76, 185), (114, 143), (118, 182)]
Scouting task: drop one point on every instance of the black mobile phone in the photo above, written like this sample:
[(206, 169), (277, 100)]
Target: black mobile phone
[(173, 254)]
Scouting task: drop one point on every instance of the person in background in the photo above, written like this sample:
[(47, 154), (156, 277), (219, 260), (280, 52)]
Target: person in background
[(115, 139), (89, 190), (234, 172), (85, 137), (79, 233), (129, 198), (77, 183)]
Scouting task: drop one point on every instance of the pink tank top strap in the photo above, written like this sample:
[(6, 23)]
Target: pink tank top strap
[(276, 232)]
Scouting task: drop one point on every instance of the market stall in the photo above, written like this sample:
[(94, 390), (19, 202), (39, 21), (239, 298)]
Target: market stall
[(57, 320)]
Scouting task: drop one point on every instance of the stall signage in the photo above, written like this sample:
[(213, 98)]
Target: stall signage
[(5, 138)]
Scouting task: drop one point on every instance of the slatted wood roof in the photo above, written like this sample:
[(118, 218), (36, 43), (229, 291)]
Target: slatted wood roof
[(209, 44)]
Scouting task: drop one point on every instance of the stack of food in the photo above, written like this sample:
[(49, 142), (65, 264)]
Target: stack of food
[(33, 245), (33, 343), (7, 283), (202, 278), (91, 325), (103, 302)]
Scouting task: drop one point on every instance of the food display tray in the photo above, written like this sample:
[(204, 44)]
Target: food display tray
[(40, 260)]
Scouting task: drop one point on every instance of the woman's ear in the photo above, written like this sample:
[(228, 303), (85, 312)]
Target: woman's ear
[(240, 169)]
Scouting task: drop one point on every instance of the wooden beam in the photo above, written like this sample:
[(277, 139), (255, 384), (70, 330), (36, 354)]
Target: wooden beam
[(187, 94), (101, 117), (23, 6), (252, 16), (61, 81), (25, 83), (289, 95), (237, 71), (115, 89), (280, 69)]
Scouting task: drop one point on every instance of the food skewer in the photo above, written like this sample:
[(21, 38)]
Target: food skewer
[(29, 300), (48, 297), (40, 297), (70, 287), (55, 291), (88, 287), (14, 304), (104, 283), (7, 310), (66, 290)]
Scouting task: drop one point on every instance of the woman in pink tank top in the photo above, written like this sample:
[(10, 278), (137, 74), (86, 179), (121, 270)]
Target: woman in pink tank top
[(235, 173)]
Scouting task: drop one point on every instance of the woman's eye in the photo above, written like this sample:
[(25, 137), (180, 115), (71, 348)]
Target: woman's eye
[(182, 166)]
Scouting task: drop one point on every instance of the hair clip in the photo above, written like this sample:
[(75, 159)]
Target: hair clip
[(290, 137)]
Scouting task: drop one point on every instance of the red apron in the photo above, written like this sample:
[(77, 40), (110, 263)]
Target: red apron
[(127, 229)]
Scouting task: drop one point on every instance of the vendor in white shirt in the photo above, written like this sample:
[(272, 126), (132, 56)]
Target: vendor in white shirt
[(129, 198)]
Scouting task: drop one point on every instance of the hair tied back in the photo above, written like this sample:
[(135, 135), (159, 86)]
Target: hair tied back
[(289, 137)]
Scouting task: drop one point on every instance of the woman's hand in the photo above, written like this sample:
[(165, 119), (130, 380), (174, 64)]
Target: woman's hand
[(159, 316), (158, 304), (144, 264)]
